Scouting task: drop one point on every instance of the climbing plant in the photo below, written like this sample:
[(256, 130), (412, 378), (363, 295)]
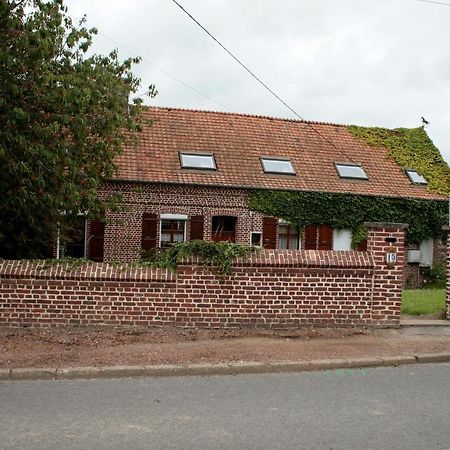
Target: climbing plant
[(411, 149), (219, 254), (349, 211)]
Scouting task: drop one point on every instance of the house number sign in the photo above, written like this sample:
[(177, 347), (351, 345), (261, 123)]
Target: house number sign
[(391, 259)]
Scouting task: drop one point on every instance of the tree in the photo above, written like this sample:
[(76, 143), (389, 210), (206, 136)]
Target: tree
[(64, 117)]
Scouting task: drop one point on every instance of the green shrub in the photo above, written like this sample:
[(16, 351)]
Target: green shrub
[(219, 254)]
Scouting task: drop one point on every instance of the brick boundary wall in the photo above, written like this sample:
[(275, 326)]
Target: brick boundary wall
[(271, 289), (447, 296)]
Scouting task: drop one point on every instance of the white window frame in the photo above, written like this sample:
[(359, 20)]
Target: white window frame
[(410, 176), (205, 155), (338, 165), (182, 217), (263, 159), (260, 239)]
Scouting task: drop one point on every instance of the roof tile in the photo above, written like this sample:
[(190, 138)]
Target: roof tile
[(239, 140)]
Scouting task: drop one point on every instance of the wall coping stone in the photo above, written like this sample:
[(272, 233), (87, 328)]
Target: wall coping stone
[(299, 258), (401, 226), (127, 272), (90, 271)]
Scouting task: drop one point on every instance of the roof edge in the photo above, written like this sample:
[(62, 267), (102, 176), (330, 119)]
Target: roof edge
[(256, 116), (259, 188)]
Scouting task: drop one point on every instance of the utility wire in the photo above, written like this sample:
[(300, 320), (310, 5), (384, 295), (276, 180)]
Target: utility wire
[(159, 69), (436, 3), (275, 95)]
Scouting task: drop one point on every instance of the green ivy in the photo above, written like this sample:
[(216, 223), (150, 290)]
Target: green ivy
[(359, 234), (348, 211), (68, 262), (411, 149), (219, 254)]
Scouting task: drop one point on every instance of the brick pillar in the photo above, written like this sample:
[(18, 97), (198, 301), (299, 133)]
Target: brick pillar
[(447, 292), (387, 241)]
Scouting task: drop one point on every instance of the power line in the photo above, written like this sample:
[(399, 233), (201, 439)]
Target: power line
[(436, 3), (159, 69), (274, 94)]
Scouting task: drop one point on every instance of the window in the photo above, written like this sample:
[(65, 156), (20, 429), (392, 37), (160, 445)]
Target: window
[(224, 228), (256, 238), (277, 165), (287, 237), (198, 161), (351, 171), (172, 231), (415, 177), (73, 243)]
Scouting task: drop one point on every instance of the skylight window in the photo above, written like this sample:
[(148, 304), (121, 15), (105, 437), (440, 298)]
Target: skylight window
[(415, 177), (277, 165), (351, 171), (197, 161)]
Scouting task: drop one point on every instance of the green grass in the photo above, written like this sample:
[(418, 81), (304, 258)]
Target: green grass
[(423, 301)]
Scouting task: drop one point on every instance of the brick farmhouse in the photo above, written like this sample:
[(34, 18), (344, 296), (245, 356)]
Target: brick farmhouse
[(191, 176), (191, 172)]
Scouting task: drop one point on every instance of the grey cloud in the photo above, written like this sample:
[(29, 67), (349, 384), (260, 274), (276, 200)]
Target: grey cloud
[(367, 62)]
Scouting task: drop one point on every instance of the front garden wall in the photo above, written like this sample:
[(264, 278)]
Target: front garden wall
[(271, 289)]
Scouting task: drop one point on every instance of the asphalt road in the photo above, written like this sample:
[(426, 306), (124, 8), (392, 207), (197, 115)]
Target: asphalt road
[(400, 408)]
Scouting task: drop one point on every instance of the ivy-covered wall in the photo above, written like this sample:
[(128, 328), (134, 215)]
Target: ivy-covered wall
[(348, 211), (411, 149)]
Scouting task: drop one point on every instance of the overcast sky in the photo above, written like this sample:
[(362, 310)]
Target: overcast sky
[(365, 62)]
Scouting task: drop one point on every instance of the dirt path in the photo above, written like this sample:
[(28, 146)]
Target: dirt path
[(101, 346)]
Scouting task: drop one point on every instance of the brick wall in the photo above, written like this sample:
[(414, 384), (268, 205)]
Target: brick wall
[(273, 288), (384, 239), (447, 229), (123, 232)]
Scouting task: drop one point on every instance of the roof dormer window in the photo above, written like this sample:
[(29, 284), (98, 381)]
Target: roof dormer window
[(277, 166), (415, 177), (351, 171), (204, 161)]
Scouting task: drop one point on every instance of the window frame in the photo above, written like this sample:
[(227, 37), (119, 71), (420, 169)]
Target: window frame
[(179, 218), (60, 247), (418, 183), (190, 167), (278, 159), (255, 233), (288, 235), (337, 165)]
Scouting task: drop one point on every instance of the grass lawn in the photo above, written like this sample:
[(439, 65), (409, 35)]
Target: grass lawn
[(423, 301)]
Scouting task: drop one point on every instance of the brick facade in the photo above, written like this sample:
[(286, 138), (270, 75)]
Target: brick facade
[(123, 232), (273, 288)]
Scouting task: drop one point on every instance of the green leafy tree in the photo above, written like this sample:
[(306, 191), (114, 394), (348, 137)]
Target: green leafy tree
[(64, 117)]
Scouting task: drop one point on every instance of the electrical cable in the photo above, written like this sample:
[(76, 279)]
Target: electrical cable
[(159, 69), (276, 95), (436, 3)]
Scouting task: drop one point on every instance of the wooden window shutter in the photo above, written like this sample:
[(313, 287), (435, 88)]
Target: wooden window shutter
[(196, 230), (149, 230), (325, 237), (270, 232), (96, 240), (311, 237)]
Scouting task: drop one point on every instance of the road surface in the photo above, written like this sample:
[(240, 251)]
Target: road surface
[(400, 408)]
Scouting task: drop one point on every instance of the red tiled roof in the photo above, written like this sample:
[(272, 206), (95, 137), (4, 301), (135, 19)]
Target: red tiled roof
[(238, 141)]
